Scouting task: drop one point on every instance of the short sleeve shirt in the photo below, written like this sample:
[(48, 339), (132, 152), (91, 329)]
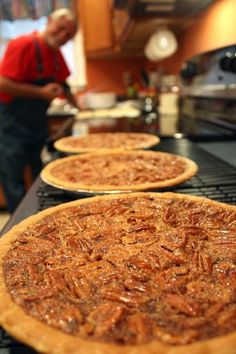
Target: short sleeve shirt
[(19, 62)]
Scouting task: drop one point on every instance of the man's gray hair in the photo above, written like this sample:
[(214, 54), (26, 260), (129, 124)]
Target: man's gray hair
[(63, 12)]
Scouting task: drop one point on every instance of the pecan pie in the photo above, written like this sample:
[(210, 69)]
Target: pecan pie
[(118, 171), (134, 273), (104, 141)]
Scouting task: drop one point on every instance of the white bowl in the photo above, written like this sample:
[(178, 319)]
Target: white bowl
[(98, 100)]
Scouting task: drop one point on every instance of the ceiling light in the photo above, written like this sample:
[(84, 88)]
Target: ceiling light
[(162, 44)]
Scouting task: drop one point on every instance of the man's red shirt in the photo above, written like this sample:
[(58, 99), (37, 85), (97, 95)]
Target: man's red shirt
[(19, 62)]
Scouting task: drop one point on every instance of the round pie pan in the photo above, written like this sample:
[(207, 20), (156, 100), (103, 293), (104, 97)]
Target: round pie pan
[(83, 192)]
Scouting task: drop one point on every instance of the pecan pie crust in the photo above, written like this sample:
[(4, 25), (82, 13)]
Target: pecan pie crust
[(119, 171), (106, 141), (137, 273)]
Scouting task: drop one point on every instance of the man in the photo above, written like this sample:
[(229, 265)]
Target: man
[(32, 74)]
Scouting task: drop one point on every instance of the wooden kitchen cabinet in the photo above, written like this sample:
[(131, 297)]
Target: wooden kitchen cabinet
[(96, 21), (107, 30)]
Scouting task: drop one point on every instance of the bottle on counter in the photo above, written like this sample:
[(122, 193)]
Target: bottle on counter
[(148, 103), (131, 87)]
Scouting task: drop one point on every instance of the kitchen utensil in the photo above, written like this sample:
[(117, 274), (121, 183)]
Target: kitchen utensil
[(144, 78)]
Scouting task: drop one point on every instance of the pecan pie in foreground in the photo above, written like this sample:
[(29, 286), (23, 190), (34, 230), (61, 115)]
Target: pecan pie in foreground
[(133, 273), (118, 171), (106, 141)]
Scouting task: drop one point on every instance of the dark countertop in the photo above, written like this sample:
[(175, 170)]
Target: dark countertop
[(194, 124), (164, 125)]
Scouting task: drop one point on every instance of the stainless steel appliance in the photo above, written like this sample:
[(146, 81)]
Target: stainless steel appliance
[(209, 91)]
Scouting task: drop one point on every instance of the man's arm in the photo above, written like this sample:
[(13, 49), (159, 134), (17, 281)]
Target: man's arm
[(16, 89)]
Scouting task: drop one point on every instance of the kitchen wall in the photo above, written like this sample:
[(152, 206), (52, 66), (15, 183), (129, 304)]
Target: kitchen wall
[(216, 27), (107, 74)]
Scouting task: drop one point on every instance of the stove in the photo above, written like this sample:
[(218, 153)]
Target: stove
[(208, 91)]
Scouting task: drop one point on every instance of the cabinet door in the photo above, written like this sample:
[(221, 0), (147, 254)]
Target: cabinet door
[(96, 20)]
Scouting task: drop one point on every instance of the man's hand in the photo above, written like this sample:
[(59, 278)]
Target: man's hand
[(51, 91)]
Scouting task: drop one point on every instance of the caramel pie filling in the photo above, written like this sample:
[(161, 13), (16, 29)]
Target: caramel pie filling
[(129, 270), (108, 140), (121, 170)]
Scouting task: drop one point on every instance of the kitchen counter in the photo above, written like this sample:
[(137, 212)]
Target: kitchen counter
[(164, 125), (134, 116)]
